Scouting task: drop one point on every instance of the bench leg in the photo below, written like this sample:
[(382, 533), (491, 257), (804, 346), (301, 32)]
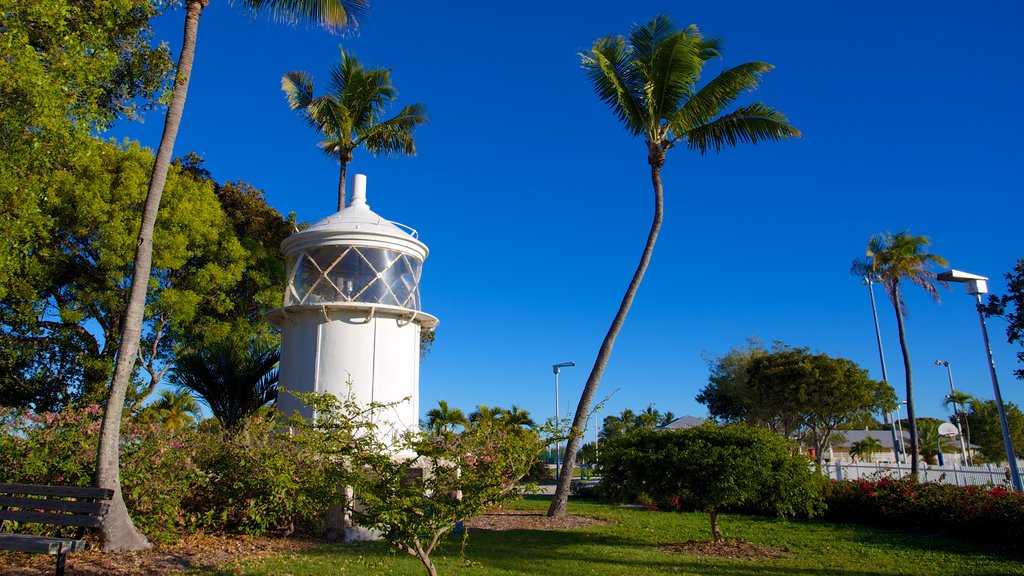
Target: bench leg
[(60, 564)]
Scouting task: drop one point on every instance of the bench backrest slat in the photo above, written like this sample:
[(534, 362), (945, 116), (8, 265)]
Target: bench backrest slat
[(92, 508), (82, 520), (60, 491)]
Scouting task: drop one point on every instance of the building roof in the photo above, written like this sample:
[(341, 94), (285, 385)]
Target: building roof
[(684, 422)]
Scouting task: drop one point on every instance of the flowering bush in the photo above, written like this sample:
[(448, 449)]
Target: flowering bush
[(253, 480), (991, 515)]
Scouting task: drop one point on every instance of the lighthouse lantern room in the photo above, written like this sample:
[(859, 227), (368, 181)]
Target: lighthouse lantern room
[(352, 316)]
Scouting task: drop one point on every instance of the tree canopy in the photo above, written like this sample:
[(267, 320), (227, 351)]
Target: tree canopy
[(793, 392), (1011, 307), (986, 432)]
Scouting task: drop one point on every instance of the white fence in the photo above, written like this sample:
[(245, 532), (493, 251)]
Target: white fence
[(959, 475)]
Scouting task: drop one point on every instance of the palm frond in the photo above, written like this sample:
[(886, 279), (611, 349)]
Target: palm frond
[(395, 134), (609, 68), (333, 15), (754, 123), (671, 75), (298, 89), (716, 95)]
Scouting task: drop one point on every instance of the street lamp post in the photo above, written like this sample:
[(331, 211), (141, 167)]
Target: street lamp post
[(869, 281), (556, 368), (976, 286), (956, 412)]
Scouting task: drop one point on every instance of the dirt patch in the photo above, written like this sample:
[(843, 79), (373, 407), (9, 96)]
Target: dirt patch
[(732, 549), (190, 553), (501, 520)]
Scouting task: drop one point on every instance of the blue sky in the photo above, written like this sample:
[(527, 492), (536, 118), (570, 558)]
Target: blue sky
[(535, 203)]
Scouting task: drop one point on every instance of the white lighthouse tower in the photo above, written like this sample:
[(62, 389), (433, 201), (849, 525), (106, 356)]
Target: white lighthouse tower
[(352, 318)]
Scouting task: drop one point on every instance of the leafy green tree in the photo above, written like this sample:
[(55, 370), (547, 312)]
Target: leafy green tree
[(349, 116), (710, 468), (792, 390), (726, 394), (615, 425), (118, 531), (866, 448), (60, 325), (650, 82), (441, 421), (1011, 307), (234, 382), (67, 71), (989, 435), (895, 258)]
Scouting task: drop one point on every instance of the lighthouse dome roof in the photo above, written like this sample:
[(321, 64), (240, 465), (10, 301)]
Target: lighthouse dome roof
[(357, 225)]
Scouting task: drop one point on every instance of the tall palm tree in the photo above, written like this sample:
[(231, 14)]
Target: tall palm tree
[(895, 258), (667, 418), (443, 419), (235, 382), (648, 417), (118, 531), (349, 116), (962, 399), (650, 82)]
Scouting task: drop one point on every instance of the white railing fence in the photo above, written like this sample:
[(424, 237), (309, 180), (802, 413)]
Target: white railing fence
[(953, 474)]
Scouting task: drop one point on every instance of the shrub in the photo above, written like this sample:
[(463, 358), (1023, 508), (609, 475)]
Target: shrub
[(710, 469), (991, 515)]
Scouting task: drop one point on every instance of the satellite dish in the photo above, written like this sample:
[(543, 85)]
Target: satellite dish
[(947, 429)]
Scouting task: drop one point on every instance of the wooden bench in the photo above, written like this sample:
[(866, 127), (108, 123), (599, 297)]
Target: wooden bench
[(56, 505)]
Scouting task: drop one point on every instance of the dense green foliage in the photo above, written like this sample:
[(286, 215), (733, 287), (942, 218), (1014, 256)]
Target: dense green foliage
[(1011, 307), (67, 70), (986, 432), (993, 516), (256, 479), (710, 469), (216, 269), (793, 392)]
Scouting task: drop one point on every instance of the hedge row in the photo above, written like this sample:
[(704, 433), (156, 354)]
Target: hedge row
[(992, 516)]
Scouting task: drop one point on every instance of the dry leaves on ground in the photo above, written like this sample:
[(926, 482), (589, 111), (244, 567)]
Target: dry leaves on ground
[(732, 549)]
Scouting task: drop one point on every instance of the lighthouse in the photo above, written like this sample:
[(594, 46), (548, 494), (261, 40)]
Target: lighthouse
[(352, 317)]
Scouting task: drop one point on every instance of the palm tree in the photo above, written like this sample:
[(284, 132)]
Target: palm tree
[(667, 418), (650, 82), (894, 258), (235, 382), (484, 414), (443, 420), (118, 531), (176, 409), (962, 399), (931, 442), (349, 116), (517, 416), (648, 417), (865, 448)]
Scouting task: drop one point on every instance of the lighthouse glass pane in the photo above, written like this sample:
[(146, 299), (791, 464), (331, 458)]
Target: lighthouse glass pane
[(355, 274)]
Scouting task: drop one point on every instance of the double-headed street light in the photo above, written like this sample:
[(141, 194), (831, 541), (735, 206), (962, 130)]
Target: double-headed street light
[(956, 412), (976, 286), (556, 368)]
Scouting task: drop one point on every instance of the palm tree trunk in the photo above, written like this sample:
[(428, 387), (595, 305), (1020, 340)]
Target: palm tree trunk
[(558, 502), (341, 184), (118, 531), (911, 417)]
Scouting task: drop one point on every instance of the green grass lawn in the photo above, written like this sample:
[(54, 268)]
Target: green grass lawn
[(630, 547)]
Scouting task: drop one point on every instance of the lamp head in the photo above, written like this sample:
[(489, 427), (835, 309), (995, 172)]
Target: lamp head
[(556, 367), (974, 284), (942, 363)]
